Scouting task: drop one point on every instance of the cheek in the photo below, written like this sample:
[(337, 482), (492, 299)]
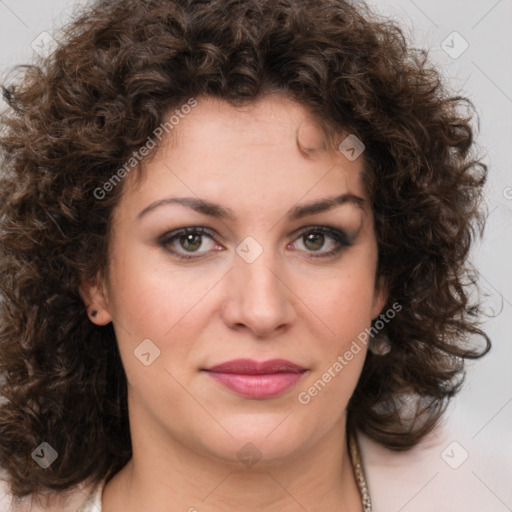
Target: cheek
[(149, 296), (345, 299), (346, 307), (348, 300), (347, 313), (153, 300)]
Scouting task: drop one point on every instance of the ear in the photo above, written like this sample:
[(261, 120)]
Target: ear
[(92, 293), (380, 297)]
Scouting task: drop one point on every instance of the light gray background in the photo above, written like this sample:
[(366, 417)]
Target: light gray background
[(481, 416)]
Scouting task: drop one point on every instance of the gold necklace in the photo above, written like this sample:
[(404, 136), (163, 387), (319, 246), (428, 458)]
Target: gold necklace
[(357, 464)]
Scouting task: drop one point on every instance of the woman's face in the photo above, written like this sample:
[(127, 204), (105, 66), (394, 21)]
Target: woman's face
[(262, 275)]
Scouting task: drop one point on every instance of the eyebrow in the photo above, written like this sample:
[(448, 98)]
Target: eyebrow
[(221, 212)]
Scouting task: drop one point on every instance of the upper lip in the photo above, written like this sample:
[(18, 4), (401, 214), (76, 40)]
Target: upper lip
[(251, 367)]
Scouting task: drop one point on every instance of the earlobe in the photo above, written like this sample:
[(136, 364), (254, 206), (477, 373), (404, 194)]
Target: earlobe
[(95, 302)]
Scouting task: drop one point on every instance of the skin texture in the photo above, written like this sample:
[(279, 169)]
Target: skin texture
[(186, 429)]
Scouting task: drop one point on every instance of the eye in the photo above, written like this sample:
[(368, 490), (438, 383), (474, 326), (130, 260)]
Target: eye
[(315, 238), (186, 244), (189, 240)]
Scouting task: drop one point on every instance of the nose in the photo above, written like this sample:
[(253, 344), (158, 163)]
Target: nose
[(258, 298)]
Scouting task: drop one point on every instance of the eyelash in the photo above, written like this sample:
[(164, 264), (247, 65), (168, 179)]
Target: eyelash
[(340, 237)]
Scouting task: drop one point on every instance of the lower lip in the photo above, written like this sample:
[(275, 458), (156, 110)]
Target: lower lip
[(257, 386)]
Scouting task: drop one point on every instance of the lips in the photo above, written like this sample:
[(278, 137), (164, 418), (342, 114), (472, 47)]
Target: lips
[(250, 367), (253, 379)]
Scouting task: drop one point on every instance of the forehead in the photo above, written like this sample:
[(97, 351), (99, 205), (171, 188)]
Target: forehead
[(271, 151)]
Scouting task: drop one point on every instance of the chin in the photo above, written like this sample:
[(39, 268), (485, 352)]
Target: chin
[(260, 442)]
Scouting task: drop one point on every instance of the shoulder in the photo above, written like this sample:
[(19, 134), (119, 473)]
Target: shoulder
[(80, 498), (447, 471)]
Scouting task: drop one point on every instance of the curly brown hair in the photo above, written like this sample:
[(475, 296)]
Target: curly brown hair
[(77, 116)]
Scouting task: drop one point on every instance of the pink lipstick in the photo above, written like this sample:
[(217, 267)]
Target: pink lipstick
[(253, 379)]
